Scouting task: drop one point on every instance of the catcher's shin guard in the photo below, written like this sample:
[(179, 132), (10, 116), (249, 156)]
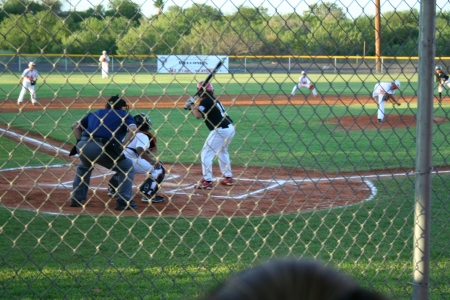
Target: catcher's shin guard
[(149, 188)]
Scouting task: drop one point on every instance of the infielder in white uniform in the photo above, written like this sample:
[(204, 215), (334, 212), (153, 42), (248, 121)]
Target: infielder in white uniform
[(27, 81), (304, 81), (104, 59), (384, 92)]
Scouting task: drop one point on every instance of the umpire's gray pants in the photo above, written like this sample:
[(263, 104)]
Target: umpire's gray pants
[(91, 153)]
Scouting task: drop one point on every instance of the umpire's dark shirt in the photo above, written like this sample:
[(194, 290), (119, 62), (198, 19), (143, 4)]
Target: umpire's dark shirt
[(214, 113), (106, 123)]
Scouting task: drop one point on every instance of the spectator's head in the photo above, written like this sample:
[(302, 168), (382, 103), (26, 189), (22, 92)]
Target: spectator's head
[(291, 279)]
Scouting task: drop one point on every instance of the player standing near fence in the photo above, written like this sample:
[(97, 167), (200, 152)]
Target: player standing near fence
[(142, 150), (100, 135), (221, 134), (304, 81), (104, 61), (442, 80), (383, 92), (27, 81)]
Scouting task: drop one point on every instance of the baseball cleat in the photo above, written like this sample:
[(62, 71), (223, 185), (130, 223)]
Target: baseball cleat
[(227, 181), (155, 199), (379, 120), (205, 185)]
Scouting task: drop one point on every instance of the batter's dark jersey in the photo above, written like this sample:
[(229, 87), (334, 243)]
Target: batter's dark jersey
[(214, 113)]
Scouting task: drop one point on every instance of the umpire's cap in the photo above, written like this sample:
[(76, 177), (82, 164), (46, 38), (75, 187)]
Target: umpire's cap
[(115, 102)]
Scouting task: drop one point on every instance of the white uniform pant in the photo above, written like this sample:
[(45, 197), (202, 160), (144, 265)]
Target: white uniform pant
[(141, 166), (381, 103), (26, 85), (217, 144), (299, 86), (441, 87), (105, 67)]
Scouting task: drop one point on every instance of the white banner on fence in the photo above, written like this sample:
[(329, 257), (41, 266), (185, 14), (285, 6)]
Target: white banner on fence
[(191, 63)]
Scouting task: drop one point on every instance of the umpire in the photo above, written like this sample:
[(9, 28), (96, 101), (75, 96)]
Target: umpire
[(100, 135)]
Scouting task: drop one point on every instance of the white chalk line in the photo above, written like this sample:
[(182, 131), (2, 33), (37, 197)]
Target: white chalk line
[(181, 189)]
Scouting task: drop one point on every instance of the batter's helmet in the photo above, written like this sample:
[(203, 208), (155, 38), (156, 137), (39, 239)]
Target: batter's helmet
[(208, 87), (116, 103), (142, 122), (397, 83), (439, 68)]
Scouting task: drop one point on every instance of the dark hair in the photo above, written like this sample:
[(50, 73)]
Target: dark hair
[(291, 279), (115, 102)]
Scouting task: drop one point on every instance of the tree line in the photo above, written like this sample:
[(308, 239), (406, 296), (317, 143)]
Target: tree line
[(322, 29)]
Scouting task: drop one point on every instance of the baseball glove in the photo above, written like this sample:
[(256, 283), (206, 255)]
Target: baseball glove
[(386, 97), (311, 87), (33, 82), (188, 103), (102, 59)]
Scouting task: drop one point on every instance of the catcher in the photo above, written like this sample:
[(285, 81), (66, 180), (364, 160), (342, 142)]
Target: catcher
[(442, 79), (304, 81), (384, 92), (142, 150)]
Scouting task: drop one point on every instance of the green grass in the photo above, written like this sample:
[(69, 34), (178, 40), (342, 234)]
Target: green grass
[(125, 257), (52, 85), (93, 257), (291, 136)]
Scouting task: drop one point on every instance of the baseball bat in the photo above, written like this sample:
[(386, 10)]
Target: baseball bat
[(209, 77)]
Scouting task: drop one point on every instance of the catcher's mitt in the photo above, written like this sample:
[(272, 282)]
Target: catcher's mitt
[(33, 82)]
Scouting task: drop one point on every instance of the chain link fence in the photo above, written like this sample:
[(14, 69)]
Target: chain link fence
[(315, 169)]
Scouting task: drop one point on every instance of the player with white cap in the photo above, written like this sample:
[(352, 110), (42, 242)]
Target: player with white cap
[(304, 81), (27, 81), (104, 60), (384, 92)]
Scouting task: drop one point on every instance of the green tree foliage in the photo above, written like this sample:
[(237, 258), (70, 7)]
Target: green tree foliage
[(33, 33), (322, 28)]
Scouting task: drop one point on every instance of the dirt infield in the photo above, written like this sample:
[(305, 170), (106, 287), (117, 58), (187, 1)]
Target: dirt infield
[(259, 191)]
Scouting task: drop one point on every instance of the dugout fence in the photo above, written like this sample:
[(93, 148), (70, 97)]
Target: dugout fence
[(317, 177)]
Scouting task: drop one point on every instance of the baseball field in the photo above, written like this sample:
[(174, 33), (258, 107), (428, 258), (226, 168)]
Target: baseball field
[(317, 177)]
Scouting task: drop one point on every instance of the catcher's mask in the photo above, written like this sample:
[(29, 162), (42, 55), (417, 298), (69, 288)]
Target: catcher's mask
[(115, 102), (143, 122), (208, 88)]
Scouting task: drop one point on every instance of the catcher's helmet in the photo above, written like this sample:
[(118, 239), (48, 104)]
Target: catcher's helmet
[(208, 87), (142, 122), (439, 68)]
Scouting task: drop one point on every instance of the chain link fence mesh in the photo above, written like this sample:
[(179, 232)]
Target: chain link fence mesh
[(316, 177)]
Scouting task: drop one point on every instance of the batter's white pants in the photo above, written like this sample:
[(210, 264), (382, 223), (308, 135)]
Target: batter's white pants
[(381, 102), (299, 86), (217, 144), (26, 85)]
